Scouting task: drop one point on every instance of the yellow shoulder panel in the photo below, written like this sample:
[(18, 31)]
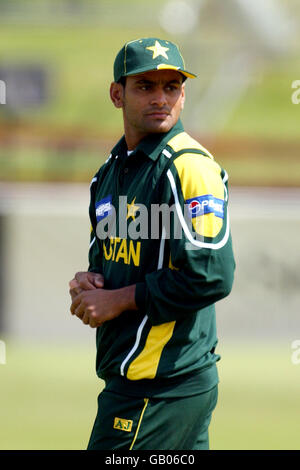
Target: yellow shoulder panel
[(184, 140), (199, 177)]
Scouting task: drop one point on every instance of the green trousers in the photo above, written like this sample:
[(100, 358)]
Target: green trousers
[(130, 423)]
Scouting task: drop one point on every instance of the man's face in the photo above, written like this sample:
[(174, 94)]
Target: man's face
[(151, 102)]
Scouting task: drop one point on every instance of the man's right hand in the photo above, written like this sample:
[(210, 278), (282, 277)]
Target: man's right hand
[(85, 281)]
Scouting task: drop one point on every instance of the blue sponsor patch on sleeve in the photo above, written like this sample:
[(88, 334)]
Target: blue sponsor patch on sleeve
[(207, 204), (103, 208)]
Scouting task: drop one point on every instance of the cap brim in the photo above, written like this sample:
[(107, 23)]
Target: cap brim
[(160, 67), (173, 67)]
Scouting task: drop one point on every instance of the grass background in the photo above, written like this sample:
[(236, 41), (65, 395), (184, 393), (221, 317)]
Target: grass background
[(49, 394)]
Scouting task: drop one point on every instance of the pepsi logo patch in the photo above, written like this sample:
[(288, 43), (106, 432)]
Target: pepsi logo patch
[(194, 207), (103, 208), (206, 204)]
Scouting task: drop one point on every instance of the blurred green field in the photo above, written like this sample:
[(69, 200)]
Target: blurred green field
[(79, 61), (79, 58), (48, 397)]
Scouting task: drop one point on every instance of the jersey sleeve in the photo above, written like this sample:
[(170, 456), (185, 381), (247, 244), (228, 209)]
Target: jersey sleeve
[(95, 250), (201, 264)]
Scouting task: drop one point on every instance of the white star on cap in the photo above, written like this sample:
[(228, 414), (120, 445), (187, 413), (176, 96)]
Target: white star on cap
[(158, 50)]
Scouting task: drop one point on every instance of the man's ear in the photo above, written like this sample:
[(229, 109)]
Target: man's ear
[(117, 94), (183, 96)]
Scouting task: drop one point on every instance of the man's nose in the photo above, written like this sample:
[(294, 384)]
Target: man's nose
[(159, 98)]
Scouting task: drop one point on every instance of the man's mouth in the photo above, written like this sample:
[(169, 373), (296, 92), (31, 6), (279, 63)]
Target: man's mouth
[(158, 114)]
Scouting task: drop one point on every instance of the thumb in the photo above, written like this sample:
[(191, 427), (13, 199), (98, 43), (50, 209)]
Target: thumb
[(73, 284), (99, 280)]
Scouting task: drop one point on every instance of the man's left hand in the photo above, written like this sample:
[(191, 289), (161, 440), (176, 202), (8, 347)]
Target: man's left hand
[(94, 307)]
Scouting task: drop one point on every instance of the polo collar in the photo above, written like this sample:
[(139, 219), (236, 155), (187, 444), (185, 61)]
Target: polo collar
[(152, 145)]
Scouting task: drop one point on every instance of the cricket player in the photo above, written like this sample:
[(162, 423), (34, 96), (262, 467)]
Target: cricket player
[(160, 258)]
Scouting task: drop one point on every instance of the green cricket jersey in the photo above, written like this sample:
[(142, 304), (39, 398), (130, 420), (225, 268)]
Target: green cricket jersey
[(159, 220)]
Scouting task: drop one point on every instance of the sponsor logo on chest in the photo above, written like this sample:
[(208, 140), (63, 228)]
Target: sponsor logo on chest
[(103, 208)]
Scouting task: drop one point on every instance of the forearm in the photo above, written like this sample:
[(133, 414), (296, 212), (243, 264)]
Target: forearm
[(96, 306), (125, 298), (169, 295)]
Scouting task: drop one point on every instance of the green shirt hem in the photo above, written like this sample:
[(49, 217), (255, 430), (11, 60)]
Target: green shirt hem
[(172, 387)]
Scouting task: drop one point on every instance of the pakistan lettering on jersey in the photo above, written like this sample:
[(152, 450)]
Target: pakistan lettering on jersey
[(167, 347)]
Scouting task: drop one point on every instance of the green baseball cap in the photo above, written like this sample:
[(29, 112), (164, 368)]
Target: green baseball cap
[(148, 54)]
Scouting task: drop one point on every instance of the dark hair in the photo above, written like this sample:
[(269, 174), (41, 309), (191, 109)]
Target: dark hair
[(122, 81), (184, 77)]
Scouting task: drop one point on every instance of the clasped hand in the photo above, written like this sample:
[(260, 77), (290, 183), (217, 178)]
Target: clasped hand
[(90, 302), (95, 305)]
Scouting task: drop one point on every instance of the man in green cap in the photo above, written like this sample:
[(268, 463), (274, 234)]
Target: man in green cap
[(160, 257)]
